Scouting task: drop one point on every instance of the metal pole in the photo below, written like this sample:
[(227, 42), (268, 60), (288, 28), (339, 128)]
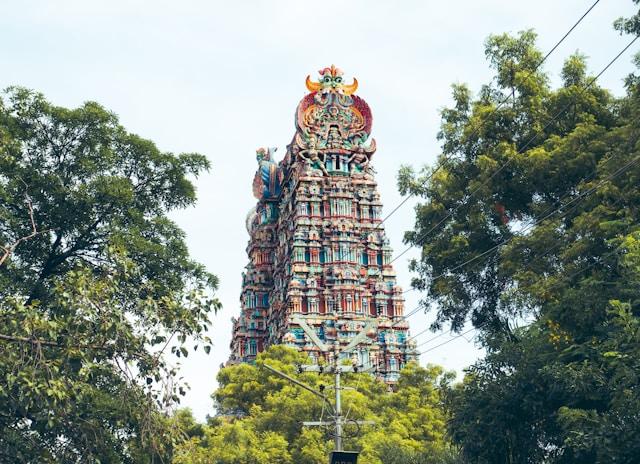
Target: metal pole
[(338, 411), (297, 382)]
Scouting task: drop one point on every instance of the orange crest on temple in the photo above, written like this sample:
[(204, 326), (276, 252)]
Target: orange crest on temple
[(312, 86), (334, 84), (351, 88)]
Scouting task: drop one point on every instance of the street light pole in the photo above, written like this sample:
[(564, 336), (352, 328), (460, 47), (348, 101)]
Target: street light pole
[(337, 370)]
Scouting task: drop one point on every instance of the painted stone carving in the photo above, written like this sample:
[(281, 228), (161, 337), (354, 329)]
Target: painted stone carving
[(268, 178), (317, 249), (313, 156), (332, 122)]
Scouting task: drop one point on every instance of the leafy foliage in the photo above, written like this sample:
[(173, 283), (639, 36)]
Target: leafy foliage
[(95, 283), (533, 216), (260, 417), (629, 25)]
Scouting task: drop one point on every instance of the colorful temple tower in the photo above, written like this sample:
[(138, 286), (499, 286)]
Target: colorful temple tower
[(317, 248)]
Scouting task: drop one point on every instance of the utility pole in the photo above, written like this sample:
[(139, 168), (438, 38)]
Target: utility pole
[(338, 441), (337, 370)]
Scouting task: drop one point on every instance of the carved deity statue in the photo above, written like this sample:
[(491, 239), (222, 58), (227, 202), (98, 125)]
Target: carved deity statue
[(359, 159), (312, 155), (333, 139), (267, 182)]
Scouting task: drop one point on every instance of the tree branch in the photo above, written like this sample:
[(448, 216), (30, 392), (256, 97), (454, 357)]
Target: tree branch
[(8, 250), (40, 342)]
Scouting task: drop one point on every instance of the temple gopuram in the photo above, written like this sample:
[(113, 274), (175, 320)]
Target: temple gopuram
[(317, 250)]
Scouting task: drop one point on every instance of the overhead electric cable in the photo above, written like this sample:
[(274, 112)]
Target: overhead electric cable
[(547, 251), (502, 102), (447, 341), (534, 221), (429, 340), (418, 334), (579, 198), (481, 325), (520, 151), (528, 143)]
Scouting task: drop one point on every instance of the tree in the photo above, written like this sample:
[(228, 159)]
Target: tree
[(96, 283), (553, 395), (532, 216), (260, 417)]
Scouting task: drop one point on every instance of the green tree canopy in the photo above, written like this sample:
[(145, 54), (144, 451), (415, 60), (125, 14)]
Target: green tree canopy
[(95, 281), (260, 417), (532, 215)]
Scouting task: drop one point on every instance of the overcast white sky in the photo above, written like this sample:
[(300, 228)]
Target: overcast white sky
[(223, 78)]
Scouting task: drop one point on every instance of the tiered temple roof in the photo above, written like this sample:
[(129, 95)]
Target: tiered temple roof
[(317, 248)]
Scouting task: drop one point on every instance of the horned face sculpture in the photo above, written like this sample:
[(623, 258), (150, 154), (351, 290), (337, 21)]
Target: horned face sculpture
[(331, 81)]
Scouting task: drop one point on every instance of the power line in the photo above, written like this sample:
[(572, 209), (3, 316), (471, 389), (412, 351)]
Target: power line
[(447, 341), (418, 334), (590, 83), (520, 151), (579, 198), (406, 316), (546, 216), (551, 287), (481, 325), (493, 111), (339, 420), (429, 340), (534, 222), (412, 312)]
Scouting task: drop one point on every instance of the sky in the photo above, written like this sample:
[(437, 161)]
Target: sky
[(224, 78)]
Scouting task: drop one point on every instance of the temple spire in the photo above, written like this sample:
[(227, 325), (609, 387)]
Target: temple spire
[(317, 250)]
